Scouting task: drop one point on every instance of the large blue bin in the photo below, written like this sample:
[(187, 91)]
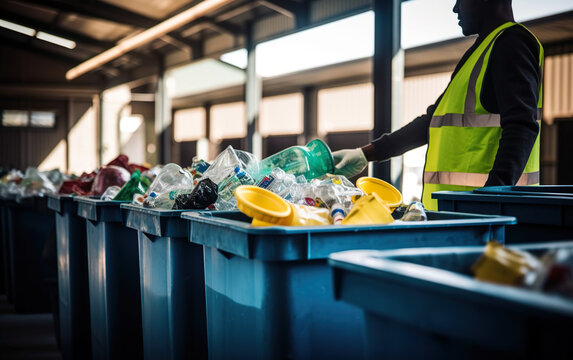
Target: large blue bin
[(269, 292), (172, 285), (425, 304), (29, 225), (113, 262), (543, 213), (73, 290)]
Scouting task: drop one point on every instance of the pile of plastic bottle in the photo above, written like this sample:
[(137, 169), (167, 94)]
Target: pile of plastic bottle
[(298, 180)]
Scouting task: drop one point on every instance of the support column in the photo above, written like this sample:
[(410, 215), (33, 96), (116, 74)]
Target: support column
[(387, 76), (253, 96), (162, 116), (310, 114)]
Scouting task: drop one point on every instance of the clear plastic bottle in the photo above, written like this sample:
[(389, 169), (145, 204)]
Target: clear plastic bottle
[(278, 181), (228, 186), (313, 160)]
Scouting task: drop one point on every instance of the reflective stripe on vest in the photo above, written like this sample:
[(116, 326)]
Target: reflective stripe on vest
[(463, 136), (471, 179)]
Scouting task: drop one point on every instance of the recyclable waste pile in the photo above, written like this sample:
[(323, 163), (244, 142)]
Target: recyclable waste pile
[(117, 180), (295, 187), (552, 272), (17, 185)]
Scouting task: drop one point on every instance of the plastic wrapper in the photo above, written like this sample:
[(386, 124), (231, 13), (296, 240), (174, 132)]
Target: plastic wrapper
[(170, 182), (203, 195), (414, 212), (107, 176), (79, 186), (198, 168)]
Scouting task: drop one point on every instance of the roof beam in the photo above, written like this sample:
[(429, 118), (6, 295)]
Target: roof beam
[(82, 40), (98, 9)]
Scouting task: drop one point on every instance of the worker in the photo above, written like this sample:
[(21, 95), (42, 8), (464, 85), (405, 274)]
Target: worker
[(483, 130)]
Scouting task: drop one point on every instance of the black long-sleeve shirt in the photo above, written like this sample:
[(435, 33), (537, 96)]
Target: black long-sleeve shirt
[(510, 88)]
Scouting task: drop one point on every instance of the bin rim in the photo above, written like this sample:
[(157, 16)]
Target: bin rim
[(96, 201), (387, 265), (155, 212), (542, 190), (463, 219), (491, 197)]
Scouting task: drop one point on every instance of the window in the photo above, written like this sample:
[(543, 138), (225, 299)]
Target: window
[(281, 115), (228, 121), (23, 118), (189, 124), (346, 108)]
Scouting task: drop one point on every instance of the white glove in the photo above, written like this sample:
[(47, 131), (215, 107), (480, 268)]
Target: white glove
[(349, 162)]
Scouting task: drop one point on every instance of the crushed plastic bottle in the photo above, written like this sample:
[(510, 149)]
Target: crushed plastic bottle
[(414, 212), (110, 193), (226, 162), (278, 181), (226, 199), (170, 182)]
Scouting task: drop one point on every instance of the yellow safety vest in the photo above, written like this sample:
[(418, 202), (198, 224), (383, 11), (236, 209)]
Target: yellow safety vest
[(464, 137)]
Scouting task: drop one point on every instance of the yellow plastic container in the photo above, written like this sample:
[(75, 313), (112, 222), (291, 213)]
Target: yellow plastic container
[(369, 210), (267, 209), (388, 193), (501, 265), (263, 205)]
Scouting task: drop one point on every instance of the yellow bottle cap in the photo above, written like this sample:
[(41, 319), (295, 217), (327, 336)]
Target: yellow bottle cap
[(263, 205), (388, 193)]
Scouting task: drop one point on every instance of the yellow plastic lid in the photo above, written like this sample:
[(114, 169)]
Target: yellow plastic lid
[(263, 205), (388, 193)]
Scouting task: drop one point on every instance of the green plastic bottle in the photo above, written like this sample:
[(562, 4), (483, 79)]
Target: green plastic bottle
[(312, 161), (133, 186)]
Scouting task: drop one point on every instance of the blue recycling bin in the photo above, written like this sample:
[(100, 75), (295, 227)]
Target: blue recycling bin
[(172, 285), (544, 213), (425, 303), (29, 227), (269, 292), (113, 264), (73, 290)]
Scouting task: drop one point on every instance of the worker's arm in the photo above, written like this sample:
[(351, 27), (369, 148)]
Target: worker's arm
[(511, 86), (350, 162)]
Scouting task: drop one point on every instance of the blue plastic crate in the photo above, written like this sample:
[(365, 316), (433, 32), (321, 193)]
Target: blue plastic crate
[(172, 285), (540, 217), (28, 270), (424, 303), (113, 262), (269, 291), (73, 290)]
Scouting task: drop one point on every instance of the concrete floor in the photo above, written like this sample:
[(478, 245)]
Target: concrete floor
[(26, 336)]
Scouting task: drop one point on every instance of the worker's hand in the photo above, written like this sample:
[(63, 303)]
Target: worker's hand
[(349, 162)]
